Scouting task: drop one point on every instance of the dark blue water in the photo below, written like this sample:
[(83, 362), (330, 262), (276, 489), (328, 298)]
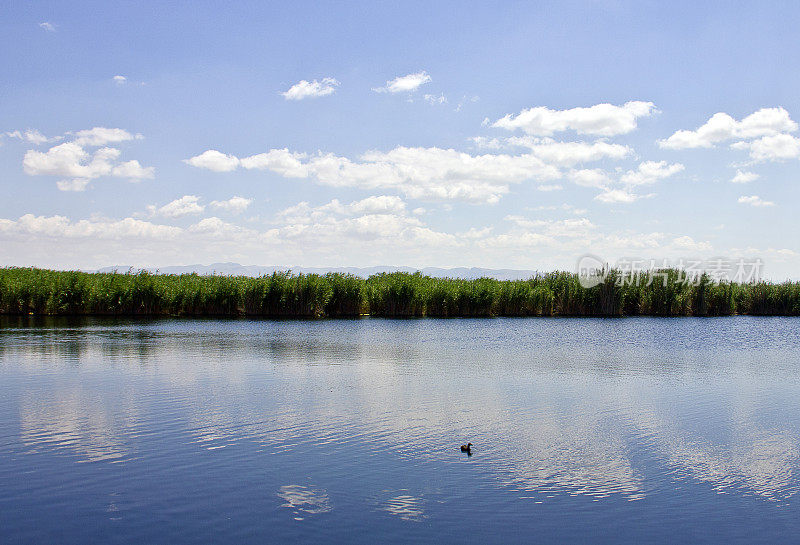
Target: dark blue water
[(653, 430)]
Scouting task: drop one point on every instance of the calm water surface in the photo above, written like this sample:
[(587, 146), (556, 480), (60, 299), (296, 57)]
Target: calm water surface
[(656, 430)]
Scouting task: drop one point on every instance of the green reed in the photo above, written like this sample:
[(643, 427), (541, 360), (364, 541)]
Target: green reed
[(285, 295)]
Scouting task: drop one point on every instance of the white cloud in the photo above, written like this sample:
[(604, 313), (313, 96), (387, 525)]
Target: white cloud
[(100, 136), (557, 153), (71, 159), (755, 200), (721, 127), (647, 172), (565, 207), (688, 244), (218, 229), (743, 177), (435, 99), (362, 232), (62, 227), (380, 204), (420, 173), (377, 218), (569, 228), (309, 89), (281, 161), (97, 136), (773, 255), (590, 178), (650, 172), (617, 196), (403, 84), (482, 142), (771, 148), (119, 80), (235, 204), (48, 26), (133, 171), (598, 120), (75, 184), (184, 206), (214, 160), (375, 205), (570, 153), (31, 136)]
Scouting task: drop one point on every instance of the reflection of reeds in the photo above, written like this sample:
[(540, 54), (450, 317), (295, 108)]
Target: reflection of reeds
[(283, 294)]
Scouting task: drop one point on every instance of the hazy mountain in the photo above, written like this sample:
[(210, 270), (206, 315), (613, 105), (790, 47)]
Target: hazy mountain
[(256, 270)]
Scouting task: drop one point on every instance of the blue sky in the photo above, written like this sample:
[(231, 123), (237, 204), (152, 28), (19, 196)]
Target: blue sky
[(517, 135)]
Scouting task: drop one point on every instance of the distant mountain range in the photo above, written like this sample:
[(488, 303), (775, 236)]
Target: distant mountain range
[(235, 269)]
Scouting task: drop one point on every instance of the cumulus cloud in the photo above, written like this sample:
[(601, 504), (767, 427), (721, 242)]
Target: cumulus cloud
[(73, 160), (617, 196), (570, 153), (688, 244), (569, 228), (566, 207), (309, 89), (214, 160), (744, 177), (184, 206), (766, 122), (755, 200), (359, 232), (771, 148), (482, 142), (97, 136), (380, 204), (597, 120), (63, 227), (281, 161), (303, 213), (219, 229), (75, 184), (622, 189), (100, 136), (371, 219), (133, 171), (48, 26), (650, 172), (404, 84), (557, 153), (70, 159), (32, 136), (590, 177), (573, 236), (420, 173), (235, 204), (561, 153)]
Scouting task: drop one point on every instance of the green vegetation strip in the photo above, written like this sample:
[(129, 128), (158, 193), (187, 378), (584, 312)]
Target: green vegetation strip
[(26, 291)]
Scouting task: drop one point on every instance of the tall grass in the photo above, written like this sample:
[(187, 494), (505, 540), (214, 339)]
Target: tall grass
[(286, 295)]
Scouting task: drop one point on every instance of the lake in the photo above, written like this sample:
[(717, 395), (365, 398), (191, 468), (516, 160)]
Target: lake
[(584, 430)]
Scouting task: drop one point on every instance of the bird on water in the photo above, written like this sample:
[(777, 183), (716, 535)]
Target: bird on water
[(467, 448)]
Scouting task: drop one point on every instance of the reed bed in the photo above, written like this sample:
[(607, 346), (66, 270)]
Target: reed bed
[(25, 291)]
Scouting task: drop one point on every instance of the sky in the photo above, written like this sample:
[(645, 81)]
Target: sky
[(424, 134)]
